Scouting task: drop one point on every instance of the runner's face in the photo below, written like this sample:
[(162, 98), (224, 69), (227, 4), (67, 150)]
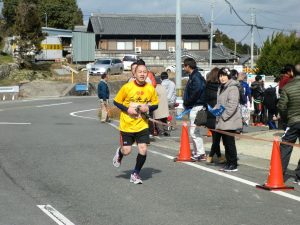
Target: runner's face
[(141, 73)]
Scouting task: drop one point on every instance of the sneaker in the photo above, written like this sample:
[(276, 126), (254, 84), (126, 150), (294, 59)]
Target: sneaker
[(117, 159), (135, 178), (296, 181), (209, 159), (225, 167), (221, 160), (231, 168), (199, 158)]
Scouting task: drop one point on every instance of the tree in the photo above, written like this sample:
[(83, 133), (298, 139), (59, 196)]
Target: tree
[(277, 51), (28, 31), (63, 14)]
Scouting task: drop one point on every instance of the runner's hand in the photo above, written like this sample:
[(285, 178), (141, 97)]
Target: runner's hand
[(131, 111), (144, 108)]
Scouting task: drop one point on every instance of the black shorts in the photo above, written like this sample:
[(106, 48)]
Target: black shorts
[(141, 137)]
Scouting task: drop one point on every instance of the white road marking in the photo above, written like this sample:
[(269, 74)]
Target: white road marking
[(10, 123), (55, 215), (54, 104), (219, 173), (223, 174), (84, 117)]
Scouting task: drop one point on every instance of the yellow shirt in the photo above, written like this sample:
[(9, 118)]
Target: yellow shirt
[(131, 94)]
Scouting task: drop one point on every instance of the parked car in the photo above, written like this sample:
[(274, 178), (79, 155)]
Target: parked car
[(172, 69), (107, 65), (128, 60)]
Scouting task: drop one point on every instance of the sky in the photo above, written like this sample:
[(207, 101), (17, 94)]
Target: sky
[(278, 14)]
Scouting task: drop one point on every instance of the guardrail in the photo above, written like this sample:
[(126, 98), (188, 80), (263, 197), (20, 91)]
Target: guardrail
[(9, 92)]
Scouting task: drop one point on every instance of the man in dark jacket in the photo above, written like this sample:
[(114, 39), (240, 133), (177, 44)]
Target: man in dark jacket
[(257, 89), (288, 107), (103, 95), (194, 99)]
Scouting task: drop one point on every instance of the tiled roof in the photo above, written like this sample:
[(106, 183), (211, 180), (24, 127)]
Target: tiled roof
[(131, 24)]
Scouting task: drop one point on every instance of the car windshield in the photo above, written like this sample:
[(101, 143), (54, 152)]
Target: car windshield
[(129, 58), (103, 61)]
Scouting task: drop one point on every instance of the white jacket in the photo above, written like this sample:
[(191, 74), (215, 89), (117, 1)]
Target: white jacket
[(171, 90)]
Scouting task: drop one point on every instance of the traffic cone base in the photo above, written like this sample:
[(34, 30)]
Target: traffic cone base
[(275, 178), (185, 150), (265, 187)]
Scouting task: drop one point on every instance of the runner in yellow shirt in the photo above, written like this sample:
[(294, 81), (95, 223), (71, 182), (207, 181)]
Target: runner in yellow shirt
[(135, 99)]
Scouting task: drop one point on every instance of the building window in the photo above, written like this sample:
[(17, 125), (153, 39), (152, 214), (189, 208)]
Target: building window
[(158, 45), (124, 45), (191, 45)]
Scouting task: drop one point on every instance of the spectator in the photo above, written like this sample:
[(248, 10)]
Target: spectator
[(287, 75), (194, 99), (230, 120), (257, 90), (234, 74), (103, 95), (162, 112), (245, 99), (211, 90), (289, 109), (171, 94)]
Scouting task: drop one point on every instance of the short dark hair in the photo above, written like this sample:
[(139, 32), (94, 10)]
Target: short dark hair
[(141, 62), (103, 76), (164, 75), (234, 73), (288, 68), (258, 78), (190, 62), (132, 64), (224, 71)]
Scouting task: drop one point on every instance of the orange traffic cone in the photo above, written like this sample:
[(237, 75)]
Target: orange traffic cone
[(209, 133), (185, 151), (275, 179)]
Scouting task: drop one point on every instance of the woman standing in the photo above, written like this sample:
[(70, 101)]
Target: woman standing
[(211, 90), (230, 120)]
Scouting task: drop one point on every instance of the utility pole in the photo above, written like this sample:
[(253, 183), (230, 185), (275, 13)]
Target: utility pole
[(46, 19), (178, 50), (252, 35), (211, 33)]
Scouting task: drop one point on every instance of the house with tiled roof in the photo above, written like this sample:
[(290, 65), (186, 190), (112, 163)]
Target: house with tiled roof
[(153, 36)]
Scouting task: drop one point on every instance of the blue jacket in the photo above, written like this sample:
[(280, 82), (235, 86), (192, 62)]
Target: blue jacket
[(194, 93), (103, 91)]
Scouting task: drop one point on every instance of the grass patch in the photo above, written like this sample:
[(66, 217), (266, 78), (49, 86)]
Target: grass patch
[(4, 58)]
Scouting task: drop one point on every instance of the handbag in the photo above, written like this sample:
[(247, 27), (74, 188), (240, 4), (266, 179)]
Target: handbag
[(201, 118)]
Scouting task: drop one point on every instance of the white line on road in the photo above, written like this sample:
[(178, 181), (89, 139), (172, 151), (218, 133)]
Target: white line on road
[(55, 215), (55, 104), (10, 123), (84, 117), (223, 174)]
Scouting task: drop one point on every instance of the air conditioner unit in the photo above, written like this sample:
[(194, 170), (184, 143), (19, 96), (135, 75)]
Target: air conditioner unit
[(172, 49), (138, 50)]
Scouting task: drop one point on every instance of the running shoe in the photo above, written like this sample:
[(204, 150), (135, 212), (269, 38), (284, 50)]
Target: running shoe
[(231, 168), (199, 158), (296, 181), (135, 178), (117, 159)]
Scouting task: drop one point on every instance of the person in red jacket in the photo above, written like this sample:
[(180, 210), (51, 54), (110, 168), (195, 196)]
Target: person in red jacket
[(287, 75)]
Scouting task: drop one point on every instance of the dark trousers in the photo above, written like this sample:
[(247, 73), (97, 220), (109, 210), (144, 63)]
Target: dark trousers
[(292, 133), (215, 146), (230, 148)]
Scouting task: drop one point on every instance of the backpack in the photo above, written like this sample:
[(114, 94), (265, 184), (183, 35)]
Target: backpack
[(270, 98), (242, 93)]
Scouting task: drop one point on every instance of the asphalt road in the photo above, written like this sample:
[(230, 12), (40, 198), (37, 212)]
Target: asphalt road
[(56, 168)]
